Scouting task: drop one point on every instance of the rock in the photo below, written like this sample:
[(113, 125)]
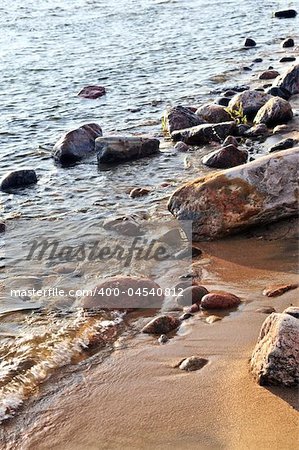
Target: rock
[(193, 309), (286, 14), (181, 147), (222, 101), (224, 203), (180, 117), (257, 60), (292, 311), (257, 131), (288, 43), (265, 310), (193, 363), (269, 75), (230, 93), (213, 319), (280, 129), (186, 316), (212, 113), (18, 179), (124, 225), (247, 69), (203, 134), (275, 359), (123, 292), (249, 102), (139, 192), (225, 157), (2, 227), (163, 339), (92, 92), (249, 43), (77, 144), (279, 92), (287, 59), (275, 291), (191, 295), (161, 325), (219, 300), (230, 140), (241, 129), (275, 112), (283, 145), (117, 149), (289, 80)]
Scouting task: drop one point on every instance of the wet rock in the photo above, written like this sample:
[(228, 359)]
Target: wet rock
[(139, 192), (161, 325), (281, 129), (2, 227), (286, 14), (213, 319), (219, 300), (203, 134), (186, 316), (287, 43), (225, 157), (181, 147), (283, 145), (290, 80), (230, 93), (259, 192), (180, 117), (191, 295), (193, 363), (230, 140), (275, 112), (287, 59), (124, 225), (265, 310), (258, 60), (269, 75), (212, 113), (292, 311), (257, 131), (194, 309), (249, 102), (279, 92), (222, 101), (249, 42), (92, 92), (275, 291), (275, 359), (77, 144), (241, 129), (247, 69), (123, 292), (117, 149), (18, 179), (163, 339)]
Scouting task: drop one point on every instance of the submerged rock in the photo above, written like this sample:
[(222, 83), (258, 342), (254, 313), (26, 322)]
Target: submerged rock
[(193, 363), (203, 134), (275, 359), (225, 157), (180, 117), (249, 42), (116, 149), (249, 102), (18, 179), (275, 112), (269, 75), (161, 325), (287, 43), (92, 92), (77, 144), (286, 14), (289, 80), (224, 203), (213, 113), (219, 300), (283, 145)]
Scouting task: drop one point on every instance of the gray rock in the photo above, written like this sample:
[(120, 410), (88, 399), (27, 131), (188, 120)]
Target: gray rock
[(117, 149), (241, 129), (180, 117), (181, 147), (249, 101), (275, 112), (275, 359), (203, 134), (289, 80), (191, 295), (163, 339), (193, 363), (292, 311), (77, 144), (18, 179), (259, 192), (283, 145), (212, 113), (226, 157), (161, 325), (287, 43), (266, 310), (257, 130)]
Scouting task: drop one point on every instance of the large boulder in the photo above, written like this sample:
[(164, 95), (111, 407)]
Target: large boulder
[(213, 113), (289, 80), (275, 112), (180, 117), (249, 102), (226, 202), (225, 157), (18, 179), (203, 134), (116, 149), (77, 144), (275, 359)]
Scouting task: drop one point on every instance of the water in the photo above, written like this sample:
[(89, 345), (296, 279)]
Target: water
[(148, 54)]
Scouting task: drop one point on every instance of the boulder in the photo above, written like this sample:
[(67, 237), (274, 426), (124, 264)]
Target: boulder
[(249, 42), (275, 112), (161, 325), (283, 145), (257, 131), (269, 75), (249, 102), (225, 157), (275, 359), (287, 43), (223, 203), (279, 92), (92, 92), (116, 149), (18, 179), (193, 363), (180, 117), (289, 80), (203, 134), (286, 14), (219, 300), (212, 113), (191, 295), (77, 144)]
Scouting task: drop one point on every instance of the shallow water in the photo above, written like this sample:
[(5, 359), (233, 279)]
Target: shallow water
[(148, 54)]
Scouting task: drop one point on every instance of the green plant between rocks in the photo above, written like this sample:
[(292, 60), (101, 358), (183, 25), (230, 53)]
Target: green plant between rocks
[(165, 125), (237, 114)]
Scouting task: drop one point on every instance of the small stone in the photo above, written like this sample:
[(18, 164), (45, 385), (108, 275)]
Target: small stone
[(280, 129), (288, 43), (161, 325), (283, 145), (139, 192), (213, 319), (193, 363), (258, 60), (203, 134), (265, 310), (269, 75), (163, 339), (249, 43), (275, 291), (181, 147), (186, 316), (191, 295), (292, 311), (287, 59), (219, 300), (92, 92), (18, 179), (286, 14)]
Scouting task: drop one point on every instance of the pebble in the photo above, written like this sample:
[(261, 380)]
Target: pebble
[(269, 75), (286, 14), (213, 319), (181, 147), (193, 363), (163, 339), (249, 43)]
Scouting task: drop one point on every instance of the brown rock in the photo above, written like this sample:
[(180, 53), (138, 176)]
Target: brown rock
[(193, 363), (161, 325), (257, 131), (276, 291), (219, 300), (191, 295), (269, 75), (290, 80), (118, 149), (181, 147), (276, 111), (18, 179), (230, 140), (203, 134), (266, 310), (180, 117), (249, 102), (139, 192), (226, 157), (213, 113), (92, 92)]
